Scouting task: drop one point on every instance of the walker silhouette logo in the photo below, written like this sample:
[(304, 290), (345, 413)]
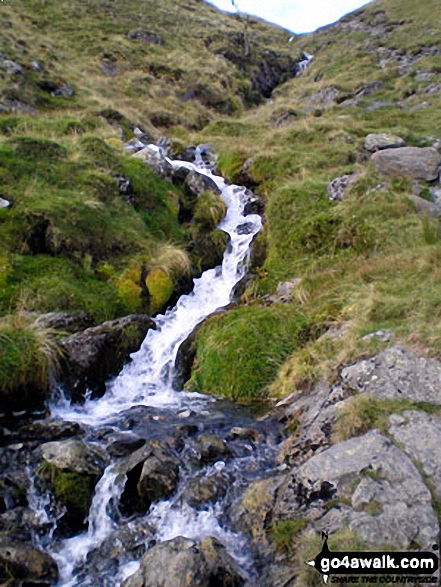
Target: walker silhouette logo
[(376, 563)]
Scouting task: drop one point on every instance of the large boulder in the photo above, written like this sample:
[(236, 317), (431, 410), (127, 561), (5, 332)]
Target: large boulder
[(376, 491), (182, 562), (73, 322), (396, 373), (383, 140), (71, 468), (414, 162), (22, 564), (98, 353), (152, 475)]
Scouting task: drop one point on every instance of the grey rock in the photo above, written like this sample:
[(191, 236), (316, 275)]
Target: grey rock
[(196, 183), (311, 417), (432, 209), (405, 514), (74, 456), (182, 562), (74, 322), (424, 76), (384, 140), (49, 430), (419, 435), (64, 92), (23, 564), (11, 67), (415, 162), (134, 145), (206, 489), (98, 353), (253, 512), (323, 98), (145, 37), (384, 335), (212, 448), (157, 161), (338, 187), (37, 66), (285, 291), (4, 203), (396, 373), (153, 474)]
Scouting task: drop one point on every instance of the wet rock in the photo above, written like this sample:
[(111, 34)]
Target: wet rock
[(179, 175), (212, 448), (125, 446), (363, 473), (185, 563), (152, 474), (49, 430), (196, 183), (415, 162), (18, 524), (254, 205), (121, 547), (71, 469), (64, 92), (22, 564), (4, 203), (206, 489), (188, 154), (74, 456), (419, 436), (156, 161), (74, 322), (93, 356), (396, 373), (145, 37), (384, 140), (135, 145), (250, 434)]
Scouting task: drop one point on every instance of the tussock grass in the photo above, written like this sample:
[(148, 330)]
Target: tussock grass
[(29, 354)]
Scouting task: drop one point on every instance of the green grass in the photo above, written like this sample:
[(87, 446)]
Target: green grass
[(238, 353), (29, 355)]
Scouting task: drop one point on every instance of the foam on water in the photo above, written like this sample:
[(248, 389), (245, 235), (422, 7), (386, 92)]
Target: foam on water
[(147, 380)]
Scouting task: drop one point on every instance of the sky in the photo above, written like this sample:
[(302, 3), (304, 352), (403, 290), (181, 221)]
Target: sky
[(300, 16)]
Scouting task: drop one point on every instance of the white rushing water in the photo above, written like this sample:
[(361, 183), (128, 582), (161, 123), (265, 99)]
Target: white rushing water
[(147, 380), (101, 524)]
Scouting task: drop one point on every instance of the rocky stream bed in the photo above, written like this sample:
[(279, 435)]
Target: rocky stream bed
[(147, 485)]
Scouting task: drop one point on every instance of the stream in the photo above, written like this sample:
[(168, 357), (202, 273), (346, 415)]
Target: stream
[(143, 404)]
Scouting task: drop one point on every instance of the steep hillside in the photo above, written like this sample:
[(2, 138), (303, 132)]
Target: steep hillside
[(370, 260)]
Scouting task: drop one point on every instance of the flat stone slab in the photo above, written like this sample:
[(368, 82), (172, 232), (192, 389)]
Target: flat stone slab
[(414, 162), (383, 140), (419, 435), (396, 373)]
